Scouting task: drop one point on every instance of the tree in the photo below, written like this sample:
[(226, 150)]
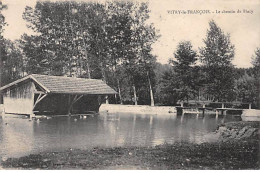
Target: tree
[(109, 41), (256, 61), (166, 92), (216, 56), (256, 68), (37, 56), (13, 66), (58, 40), (2, 20), (246, 89), (183, 66), (138, 61), (2, 46)]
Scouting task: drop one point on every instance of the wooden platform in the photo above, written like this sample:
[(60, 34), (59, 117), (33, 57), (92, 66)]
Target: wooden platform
[(234, 109)]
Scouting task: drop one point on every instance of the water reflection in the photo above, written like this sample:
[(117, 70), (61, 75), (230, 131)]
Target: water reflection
[(18, 136), (15, 133)]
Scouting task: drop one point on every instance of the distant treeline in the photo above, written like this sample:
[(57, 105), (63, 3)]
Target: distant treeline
[(113, 41)]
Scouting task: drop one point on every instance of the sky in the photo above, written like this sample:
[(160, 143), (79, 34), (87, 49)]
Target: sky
[(243, 27)]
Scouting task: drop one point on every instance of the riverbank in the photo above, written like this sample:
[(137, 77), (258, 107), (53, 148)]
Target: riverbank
[(251, 115), (236, 153)]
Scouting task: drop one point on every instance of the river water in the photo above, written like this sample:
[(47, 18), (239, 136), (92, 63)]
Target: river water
[(19, 136)]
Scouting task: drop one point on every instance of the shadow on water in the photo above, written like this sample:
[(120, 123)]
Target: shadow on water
[(19, 136)]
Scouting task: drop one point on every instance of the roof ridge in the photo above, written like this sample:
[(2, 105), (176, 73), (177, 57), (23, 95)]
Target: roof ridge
[(62, 76)]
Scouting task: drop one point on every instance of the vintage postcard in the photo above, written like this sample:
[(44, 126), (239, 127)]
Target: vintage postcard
[(129, 85)]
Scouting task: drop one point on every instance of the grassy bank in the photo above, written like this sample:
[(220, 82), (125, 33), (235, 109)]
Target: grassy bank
[(232, 154)]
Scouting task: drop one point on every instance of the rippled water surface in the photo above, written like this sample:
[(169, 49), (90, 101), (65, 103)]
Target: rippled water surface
[(19, 136)]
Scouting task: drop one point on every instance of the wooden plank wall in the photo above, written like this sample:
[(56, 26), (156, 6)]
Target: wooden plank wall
[(19, 99)]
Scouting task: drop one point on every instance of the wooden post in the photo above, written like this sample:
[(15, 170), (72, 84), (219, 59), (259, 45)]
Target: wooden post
[(69, 105), (99, 100), (32, 115), (39, 98), (107, 102), (249, 106), (116, 98), (223, 106), (76, 98), (203, 108), (199, 94)]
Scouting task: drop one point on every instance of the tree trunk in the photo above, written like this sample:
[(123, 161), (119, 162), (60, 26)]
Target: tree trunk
[(103, 72), (119, 91), (70, 68), (151, 90), (258, 91), (86, 55), (135, 97), (80, 66), (199, 94), (89, 76), (1, 72), (107, 101), (117, 80)]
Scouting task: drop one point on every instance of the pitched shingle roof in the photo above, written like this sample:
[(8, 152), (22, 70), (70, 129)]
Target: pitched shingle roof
[(61, 84)]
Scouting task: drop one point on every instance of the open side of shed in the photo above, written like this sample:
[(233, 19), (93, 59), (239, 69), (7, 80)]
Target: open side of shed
[(63, 104), (54, 95)]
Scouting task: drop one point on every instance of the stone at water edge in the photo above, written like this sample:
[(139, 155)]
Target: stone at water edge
[(251, 112)]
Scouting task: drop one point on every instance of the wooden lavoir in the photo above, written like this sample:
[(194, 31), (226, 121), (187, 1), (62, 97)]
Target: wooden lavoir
[(54, 95)]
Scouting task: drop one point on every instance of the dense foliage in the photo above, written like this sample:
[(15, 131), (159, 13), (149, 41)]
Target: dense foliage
[(215, 79), (216, 56), (110, 41)]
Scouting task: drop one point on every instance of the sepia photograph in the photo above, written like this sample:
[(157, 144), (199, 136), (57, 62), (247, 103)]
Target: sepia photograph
[(129, 85)]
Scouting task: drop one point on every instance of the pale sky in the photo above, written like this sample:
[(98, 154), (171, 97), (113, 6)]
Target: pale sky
[(244, 28)]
